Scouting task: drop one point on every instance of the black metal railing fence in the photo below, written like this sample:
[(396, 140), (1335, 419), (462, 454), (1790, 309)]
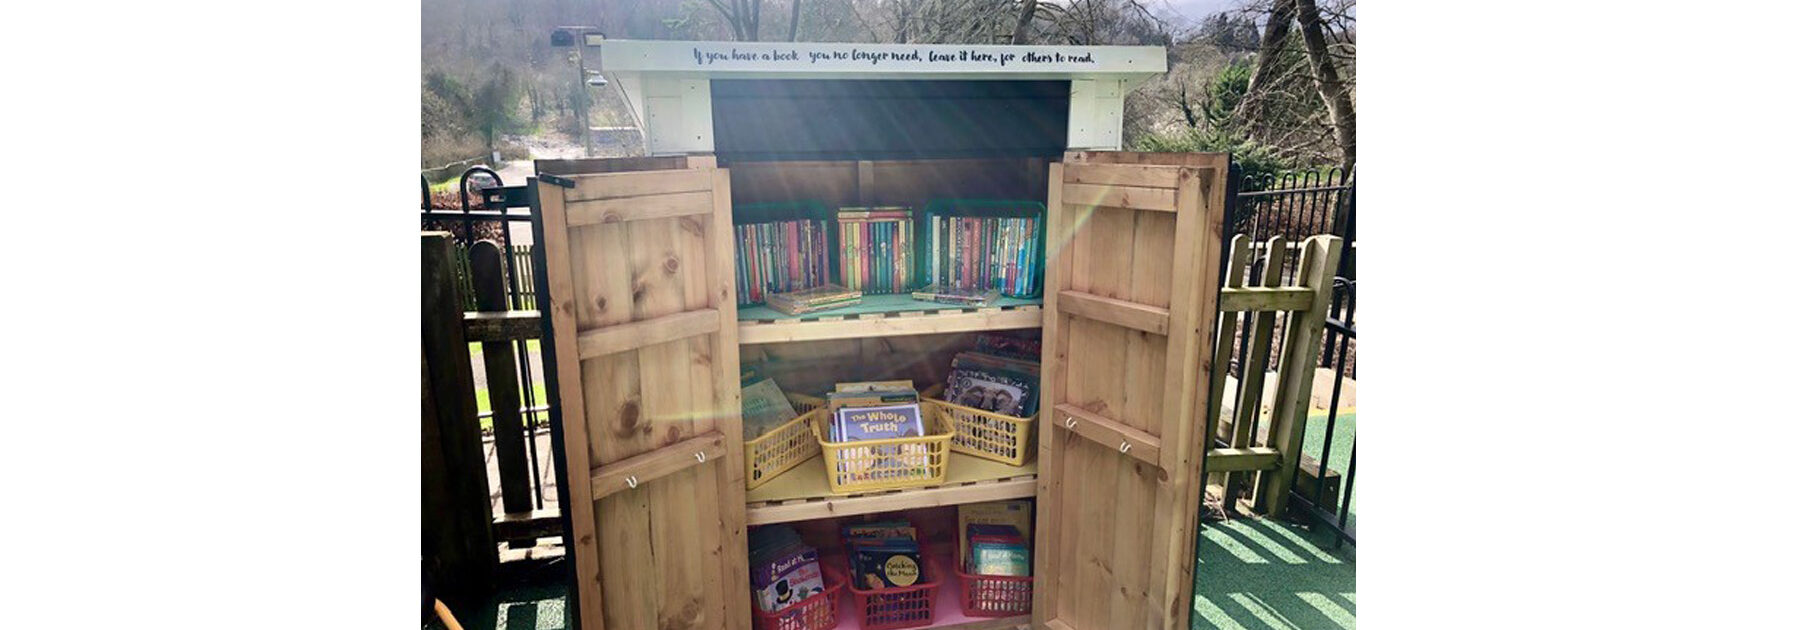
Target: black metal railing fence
[(465, 213), (1295, 206)]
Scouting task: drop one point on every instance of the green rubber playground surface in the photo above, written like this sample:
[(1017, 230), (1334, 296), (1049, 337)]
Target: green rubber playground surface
[(1261, 574)]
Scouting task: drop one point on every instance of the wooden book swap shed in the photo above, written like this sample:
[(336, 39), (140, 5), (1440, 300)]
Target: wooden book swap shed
[(649, 337)]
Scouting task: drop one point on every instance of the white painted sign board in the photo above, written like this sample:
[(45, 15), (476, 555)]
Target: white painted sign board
[(668, 82)]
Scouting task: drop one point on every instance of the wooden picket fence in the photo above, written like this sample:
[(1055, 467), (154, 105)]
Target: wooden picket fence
[(521, 262), (1269, 453)]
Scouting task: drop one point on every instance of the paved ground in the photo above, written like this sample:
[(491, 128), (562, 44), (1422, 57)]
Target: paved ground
[(546, 474)]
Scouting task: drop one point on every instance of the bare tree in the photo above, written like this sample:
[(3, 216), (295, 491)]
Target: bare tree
[(1332, 89), (794, 21), (744, 16), (1022, 29)]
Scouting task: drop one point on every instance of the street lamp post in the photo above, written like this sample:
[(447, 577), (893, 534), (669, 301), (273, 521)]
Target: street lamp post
[(576, 37)]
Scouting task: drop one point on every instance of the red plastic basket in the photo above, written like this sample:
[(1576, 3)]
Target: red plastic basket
[(994, 595), (819, 612), (900, 607)]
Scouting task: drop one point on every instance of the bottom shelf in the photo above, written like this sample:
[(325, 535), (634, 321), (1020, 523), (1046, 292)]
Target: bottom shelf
[(948, 608)]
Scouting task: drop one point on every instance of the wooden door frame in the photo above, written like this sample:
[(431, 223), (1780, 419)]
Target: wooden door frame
[(582, 481), (1199, 203)]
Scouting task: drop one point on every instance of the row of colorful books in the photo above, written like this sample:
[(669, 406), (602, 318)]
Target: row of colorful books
[(970, 260), (1001, 253), (781, 256), (877, 249)]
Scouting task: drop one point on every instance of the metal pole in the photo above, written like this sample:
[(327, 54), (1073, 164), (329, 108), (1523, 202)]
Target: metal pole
[(587, 135)]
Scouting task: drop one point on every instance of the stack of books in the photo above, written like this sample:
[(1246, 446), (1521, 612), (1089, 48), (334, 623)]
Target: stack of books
[(884, 554), (877, 251), (995, 538), (876, 410), (783, 569), (965, 297), (1000, 375), (780, 256), (765, 408), (985, 253), (820, 298)]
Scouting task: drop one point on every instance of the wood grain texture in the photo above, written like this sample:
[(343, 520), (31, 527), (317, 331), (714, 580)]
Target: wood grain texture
[(659, 206), (1108, 432), (1117, 175), (1129, 324), (647, 332), (1125, 313), (1233, 459), (1227, 331), (1300, 349), (457, 532), (1266, 299), (502, 325), (488, 278), (651, 303), (1131, 197), (650, 466), (560, 275)]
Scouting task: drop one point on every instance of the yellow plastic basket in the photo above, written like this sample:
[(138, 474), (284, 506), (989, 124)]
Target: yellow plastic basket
[(873, 465), (1006, 439), (778, 451)]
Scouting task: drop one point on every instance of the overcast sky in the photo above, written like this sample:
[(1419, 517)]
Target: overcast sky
[(1193, 10)]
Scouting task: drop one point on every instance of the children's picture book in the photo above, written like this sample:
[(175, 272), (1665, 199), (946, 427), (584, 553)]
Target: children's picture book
[(814, 299), (856, 424), (871, 394), (1005, 516), (998, 391), (953, 295), (990, 557), (884, 554), (879, 423), (765, 408), (993, 383), (783, 569)]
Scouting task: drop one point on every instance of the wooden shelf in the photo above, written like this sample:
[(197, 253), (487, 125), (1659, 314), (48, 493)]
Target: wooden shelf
[(801, 494), (885, 316)]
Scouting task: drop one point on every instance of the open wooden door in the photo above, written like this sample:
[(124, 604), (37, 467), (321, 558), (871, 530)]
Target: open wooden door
[(1129, 308), (642, 303)]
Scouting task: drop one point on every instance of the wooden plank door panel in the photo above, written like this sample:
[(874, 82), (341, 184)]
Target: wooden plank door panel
[(642, 305), (1131, 294)]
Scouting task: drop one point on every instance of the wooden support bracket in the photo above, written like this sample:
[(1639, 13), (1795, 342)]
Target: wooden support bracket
[(502, 325), (1242, 459), (1129, 197), (633, 471), (1131, 315), (647, 332), (1298, 299), (639, 208), (1109, 432)]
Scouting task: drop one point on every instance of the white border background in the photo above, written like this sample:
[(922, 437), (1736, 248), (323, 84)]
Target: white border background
[(1576, 225)]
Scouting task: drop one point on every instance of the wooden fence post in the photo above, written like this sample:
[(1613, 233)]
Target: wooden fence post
[(1300, 357), (457, 518), (487, 275)]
